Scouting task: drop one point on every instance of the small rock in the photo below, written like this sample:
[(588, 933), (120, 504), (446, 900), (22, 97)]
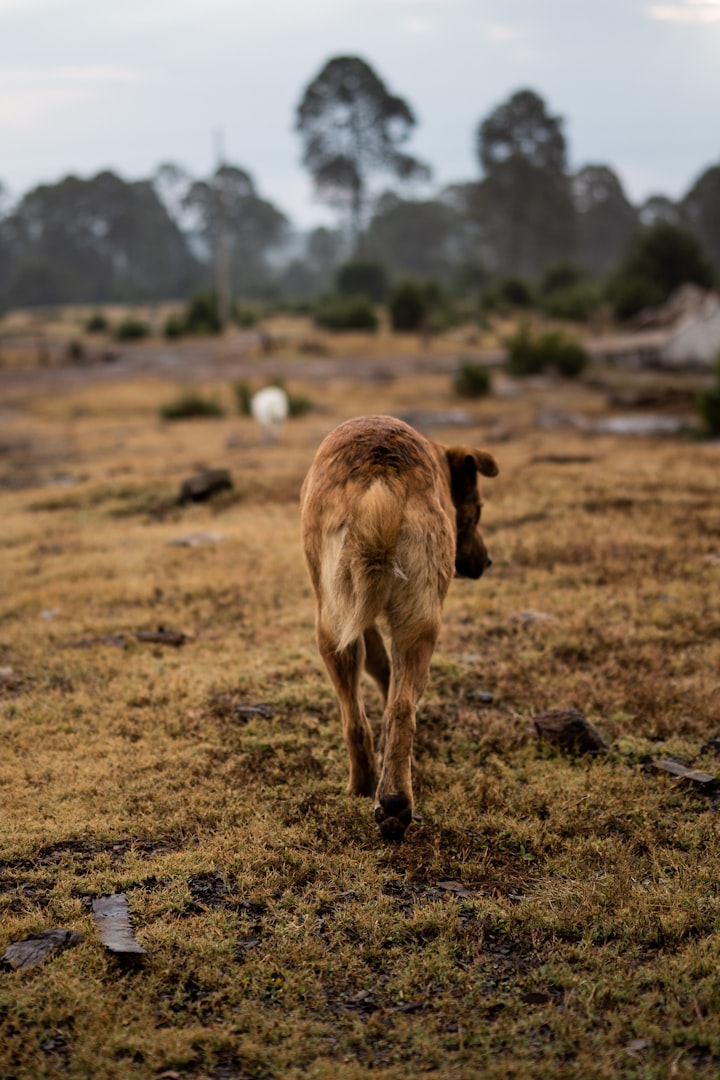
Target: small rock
[(639, 425), (569, 730), (536, 997), (196, 539), (482, 697), (455, 887), (162, 636), (204, 485), (529, 618), (636, 1046), (556, 419)]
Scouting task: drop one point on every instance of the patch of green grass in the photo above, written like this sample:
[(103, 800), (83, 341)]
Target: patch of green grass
[(191, 404)]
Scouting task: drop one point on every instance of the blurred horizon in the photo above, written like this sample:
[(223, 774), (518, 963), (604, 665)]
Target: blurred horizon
[(90, 86)]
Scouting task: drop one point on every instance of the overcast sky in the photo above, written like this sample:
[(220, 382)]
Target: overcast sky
[(127, 84)]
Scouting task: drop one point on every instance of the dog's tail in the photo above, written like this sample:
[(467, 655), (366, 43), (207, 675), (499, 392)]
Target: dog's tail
[(363, 567)]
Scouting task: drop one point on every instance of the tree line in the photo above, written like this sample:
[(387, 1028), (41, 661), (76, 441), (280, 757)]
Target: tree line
[(105, 238)]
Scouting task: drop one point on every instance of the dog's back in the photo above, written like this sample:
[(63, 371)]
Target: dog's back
[(377, 535)]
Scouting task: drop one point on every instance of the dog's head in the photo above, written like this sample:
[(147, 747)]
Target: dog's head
[(465, 462)]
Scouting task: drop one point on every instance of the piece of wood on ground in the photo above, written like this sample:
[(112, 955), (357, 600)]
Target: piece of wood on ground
[(112, 919), (701, 780), (569, 730), (36, 948)]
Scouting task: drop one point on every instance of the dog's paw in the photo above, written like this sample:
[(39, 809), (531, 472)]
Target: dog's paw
[(393, 815)]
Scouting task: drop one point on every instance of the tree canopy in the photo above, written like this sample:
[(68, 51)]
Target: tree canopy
[(97, 239), (526, 196), (605, 219), (351, 128), (701, 211)]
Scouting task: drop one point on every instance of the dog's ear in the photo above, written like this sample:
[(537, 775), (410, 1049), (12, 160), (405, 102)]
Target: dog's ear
[(465, 463), (486, 463)]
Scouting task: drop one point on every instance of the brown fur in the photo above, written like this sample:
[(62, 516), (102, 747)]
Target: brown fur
[(387, 517)]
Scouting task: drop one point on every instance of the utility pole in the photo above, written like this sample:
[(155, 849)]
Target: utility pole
[(222, 255)]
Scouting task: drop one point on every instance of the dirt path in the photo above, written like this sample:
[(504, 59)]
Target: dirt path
[(226, 359)]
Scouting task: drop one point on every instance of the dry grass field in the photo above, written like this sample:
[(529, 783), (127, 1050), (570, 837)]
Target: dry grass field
[(549, 916)]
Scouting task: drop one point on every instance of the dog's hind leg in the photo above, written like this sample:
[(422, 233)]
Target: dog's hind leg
[(344, 668), (411, 661)]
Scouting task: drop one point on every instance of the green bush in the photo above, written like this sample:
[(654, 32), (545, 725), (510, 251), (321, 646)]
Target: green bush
[(472, 380), (243, 397), (576, 303), (560, 276), (523, 355), (363, 278), (660, 258), (529, 353), (131, 329), (191, 404), (707, 403), (469, 277), (174, 327), (409, 306), (507, 294), (75, 351), (630, 294), (566, 355), (97, 324), (202, 313), (245, 316), (346, 313)]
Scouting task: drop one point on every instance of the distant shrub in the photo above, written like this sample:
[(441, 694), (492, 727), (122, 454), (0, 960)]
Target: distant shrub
[(469, 277), (707, 403), (97, 324), (191, 404), (298, 404), (245, 316), (529, 353), (363, 278), (243, 397), (131, 329), (75, 351), (566, 355), (174, 327), (409, 306), (660, 258), (560, 276), (202, 314), (576, 303), (506, 294), (632, 293), (472, 380), (346, 313)]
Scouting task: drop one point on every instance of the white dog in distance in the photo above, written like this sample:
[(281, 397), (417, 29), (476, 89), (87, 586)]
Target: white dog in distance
[(269, 408)]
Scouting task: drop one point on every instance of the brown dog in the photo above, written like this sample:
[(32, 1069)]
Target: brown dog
[(387, 518)]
